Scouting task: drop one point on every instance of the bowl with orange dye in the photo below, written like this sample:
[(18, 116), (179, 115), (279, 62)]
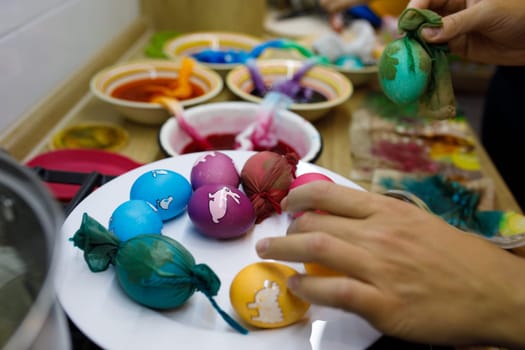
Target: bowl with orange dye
[(131, 87)]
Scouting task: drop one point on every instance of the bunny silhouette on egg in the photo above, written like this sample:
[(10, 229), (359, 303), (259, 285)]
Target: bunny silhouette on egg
[(267, 303)]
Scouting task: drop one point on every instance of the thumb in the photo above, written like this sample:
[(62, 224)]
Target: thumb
[(454, 25)]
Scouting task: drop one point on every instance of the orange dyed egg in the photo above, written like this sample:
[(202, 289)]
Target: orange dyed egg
[(320, 270), (259, 295)]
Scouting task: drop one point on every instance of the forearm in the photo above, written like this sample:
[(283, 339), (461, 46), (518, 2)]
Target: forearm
[(506, 325)]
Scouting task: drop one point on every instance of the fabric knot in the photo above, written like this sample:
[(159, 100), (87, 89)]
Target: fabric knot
[(205, 279)]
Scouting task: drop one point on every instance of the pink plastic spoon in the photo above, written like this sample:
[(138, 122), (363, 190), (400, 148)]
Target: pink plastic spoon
[(173, 106)]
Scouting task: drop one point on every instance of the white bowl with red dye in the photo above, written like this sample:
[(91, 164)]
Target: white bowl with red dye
[(221, 121)]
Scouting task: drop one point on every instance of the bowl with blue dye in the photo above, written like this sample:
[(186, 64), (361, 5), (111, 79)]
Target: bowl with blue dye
[(329, 88), (220, 51)]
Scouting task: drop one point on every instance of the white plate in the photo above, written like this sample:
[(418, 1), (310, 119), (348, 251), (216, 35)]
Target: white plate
[(97, 305)]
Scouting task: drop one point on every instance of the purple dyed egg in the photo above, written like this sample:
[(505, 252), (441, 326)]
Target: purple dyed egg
[(214, 168), (221, 211)]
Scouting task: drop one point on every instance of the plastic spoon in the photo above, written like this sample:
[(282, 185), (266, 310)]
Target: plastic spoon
[(292, 87), (285, 44), (168, 98), (241, 56), (221, 56), (257, 78), (262, 134), (173, 106), (184, 89), (181, 88)]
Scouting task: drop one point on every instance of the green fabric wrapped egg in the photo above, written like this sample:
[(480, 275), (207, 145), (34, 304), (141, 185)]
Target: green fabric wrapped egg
[(154, 270), (404, 70), (411, 70), (160, 273)]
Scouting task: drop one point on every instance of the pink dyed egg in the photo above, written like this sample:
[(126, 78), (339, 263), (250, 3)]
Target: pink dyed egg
[(313, 268), (221, 211), (309, 177), (306, 178), (214, 168)]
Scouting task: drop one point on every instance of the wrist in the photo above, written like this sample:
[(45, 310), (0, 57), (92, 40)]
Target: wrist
[(507, 327)]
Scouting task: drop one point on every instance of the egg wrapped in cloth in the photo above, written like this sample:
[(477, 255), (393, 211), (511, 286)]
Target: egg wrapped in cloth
[(412, 70), (153, 270), (266, 178)]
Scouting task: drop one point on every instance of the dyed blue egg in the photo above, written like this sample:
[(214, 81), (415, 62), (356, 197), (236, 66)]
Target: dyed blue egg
[(133, 218), (168, 191), (349, 62), (404, 70)]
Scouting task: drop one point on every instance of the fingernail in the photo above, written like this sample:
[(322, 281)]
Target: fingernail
[(430, 33), (293, 282), (262, 246), (284, 204)]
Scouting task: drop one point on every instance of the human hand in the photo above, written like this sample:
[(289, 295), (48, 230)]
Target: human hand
[(333, 6), (480, 30), (407, 272), (335, 10)]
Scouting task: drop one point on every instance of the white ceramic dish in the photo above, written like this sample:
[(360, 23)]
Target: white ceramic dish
[(98, 306), (233, 117)]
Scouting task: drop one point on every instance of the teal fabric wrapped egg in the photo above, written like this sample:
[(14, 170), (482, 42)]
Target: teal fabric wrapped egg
[(154, 270), (158, 272), (404, 70), (412, 70)]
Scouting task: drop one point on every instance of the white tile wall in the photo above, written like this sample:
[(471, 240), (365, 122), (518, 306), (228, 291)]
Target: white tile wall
[(42, 42), (16, 13)]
